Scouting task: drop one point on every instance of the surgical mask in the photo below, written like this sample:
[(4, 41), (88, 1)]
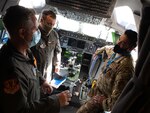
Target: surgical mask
[(35, 38), (47, 28), (119, 50)]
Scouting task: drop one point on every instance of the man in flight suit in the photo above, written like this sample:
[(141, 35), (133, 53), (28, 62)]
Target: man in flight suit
[(116, 71), (20, 81), (48, 50)]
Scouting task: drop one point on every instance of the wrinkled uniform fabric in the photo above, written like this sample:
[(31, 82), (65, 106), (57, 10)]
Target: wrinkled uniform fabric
[(47, 53), (135, 98), (20, 84), (111, 83)]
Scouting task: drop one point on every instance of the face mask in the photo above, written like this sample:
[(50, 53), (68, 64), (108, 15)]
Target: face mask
[(35, 38), (47, 28), (119, 50)]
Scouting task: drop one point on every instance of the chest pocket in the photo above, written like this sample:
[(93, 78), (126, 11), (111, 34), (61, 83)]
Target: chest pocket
[(113, 67), (52, 40), (111, 74), (34, 88), (51, 44), (33, 77)]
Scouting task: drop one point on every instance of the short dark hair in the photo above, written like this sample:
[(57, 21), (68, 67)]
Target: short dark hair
[(16, 17), (132, 37), (48, 12)]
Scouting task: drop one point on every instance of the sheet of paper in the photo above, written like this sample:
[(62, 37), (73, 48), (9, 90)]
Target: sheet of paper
[(57, 80)]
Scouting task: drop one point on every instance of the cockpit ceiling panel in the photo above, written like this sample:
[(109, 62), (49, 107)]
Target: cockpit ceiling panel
[(81, 17), (99, 8)]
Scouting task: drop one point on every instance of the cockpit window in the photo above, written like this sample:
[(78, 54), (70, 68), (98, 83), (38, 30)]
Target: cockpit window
[(32, 3), (125, 18)]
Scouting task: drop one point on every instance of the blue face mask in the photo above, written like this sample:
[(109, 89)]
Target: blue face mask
[(36, 38)]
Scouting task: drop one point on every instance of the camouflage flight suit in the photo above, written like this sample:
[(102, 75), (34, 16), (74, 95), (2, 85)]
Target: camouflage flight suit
[(110, 82)]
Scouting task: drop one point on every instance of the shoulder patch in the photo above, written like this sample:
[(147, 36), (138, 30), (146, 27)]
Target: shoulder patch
[(11, 86)]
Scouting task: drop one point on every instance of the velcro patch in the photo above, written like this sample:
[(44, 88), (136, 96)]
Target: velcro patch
[(11, 86)]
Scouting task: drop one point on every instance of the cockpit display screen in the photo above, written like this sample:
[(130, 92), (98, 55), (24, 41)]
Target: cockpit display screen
[(80, 44), (72, 42), (76, 43)]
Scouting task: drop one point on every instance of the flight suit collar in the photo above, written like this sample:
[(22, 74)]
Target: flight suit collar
[(17, 54)]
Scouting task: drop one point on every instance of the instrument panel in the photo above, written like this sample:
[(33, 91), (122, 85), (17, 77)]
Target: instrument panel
[(79, 42)]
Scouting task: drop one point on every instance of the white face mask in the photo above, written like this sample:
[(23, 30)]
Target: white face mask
[(35, 38)]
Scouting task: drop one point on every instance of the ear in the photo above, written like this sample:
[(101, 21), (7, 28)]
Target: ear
[(21, 33)]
